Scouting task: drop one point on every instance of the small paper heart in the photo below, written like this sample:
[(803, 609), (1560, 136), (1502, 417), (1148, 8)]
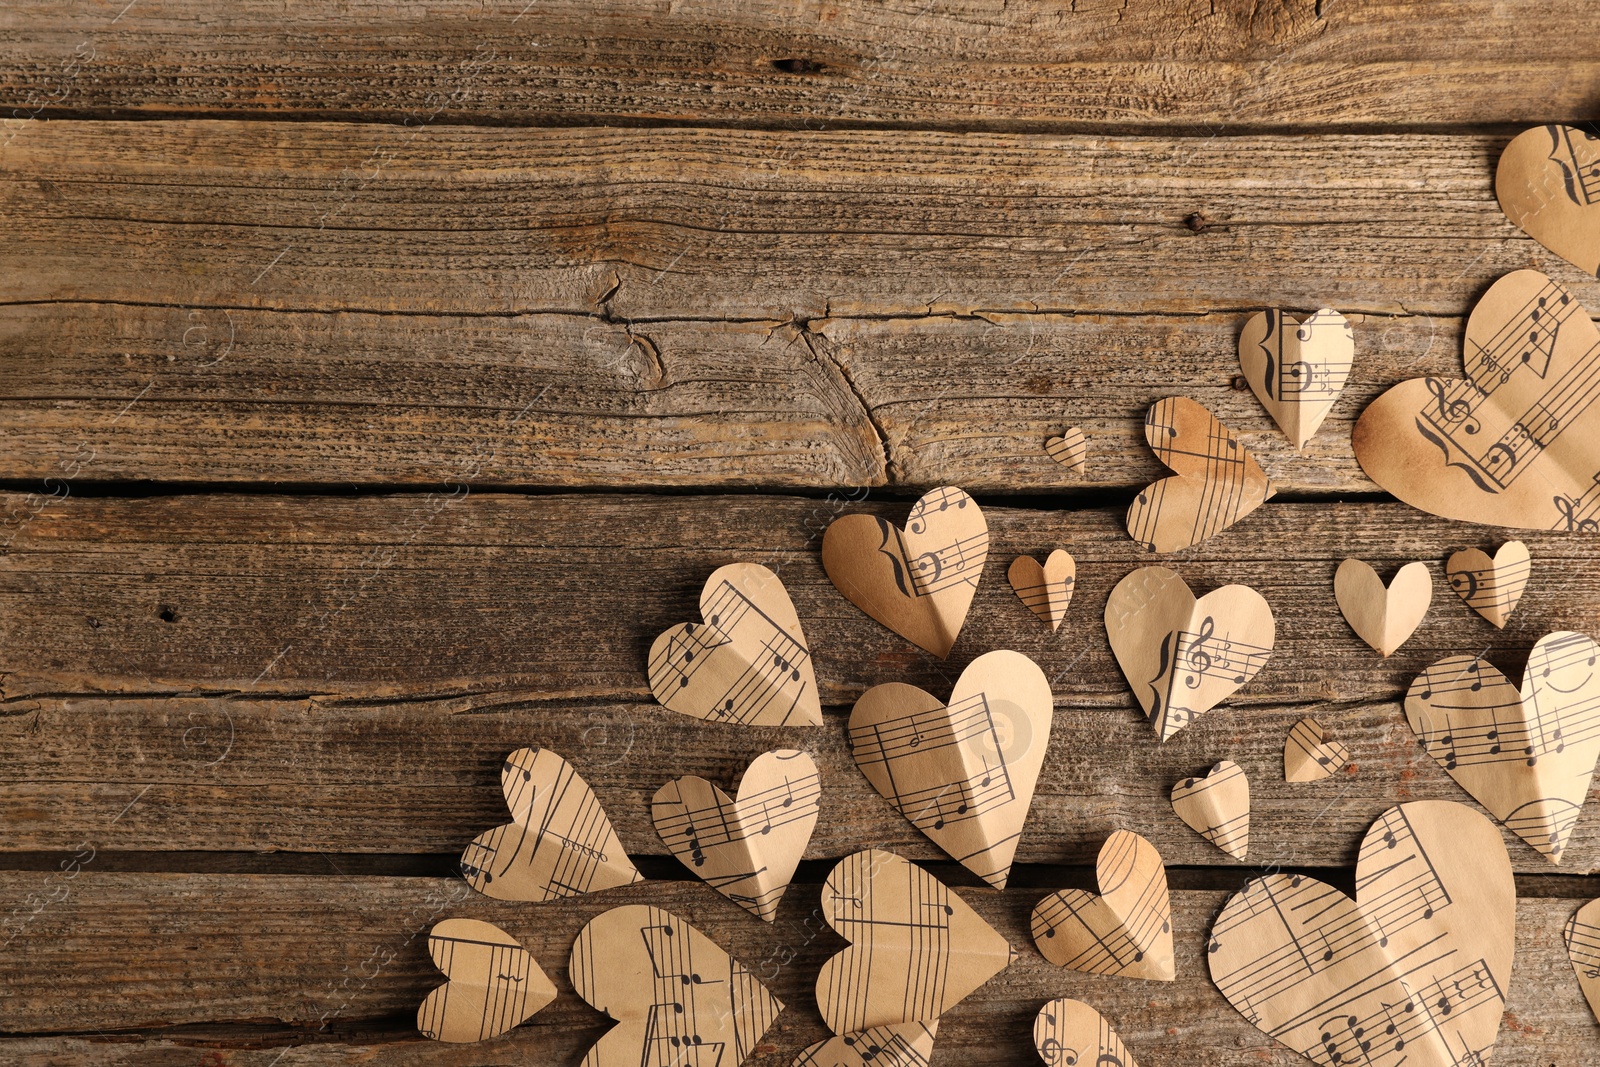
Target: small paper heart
[(1126, 930), (906, 1045), (1297, 369), (1217, 807), (1216, 481), (1548, 184), (494, 983), (1308, 756), (1045, 590), (1582, 935), (1491, 587), (1071, 449), (1069, 1033), (1383, 617)]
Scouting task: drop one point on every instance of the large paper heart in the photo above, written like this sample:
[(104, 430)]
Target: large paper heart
[(1383, 616), (1308, 755), (1526, 756), (678, 998), (1217, 807), (1184, 656), (906, 1045), (918, 581), (1126, 930), (494, 983), (745, 849), (1216, 483), (1046, 590), (746, 663), (559, 842), (1412, 972), (963, 773), (1582, 935), (1297, 369), (1491, 586), (1548, 184), (1069, 1033), (916, 949), (1515, 443)]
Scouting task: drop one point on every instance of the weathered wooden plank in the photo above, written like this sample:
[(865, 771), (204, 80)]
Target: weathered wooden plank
[(972, 62)]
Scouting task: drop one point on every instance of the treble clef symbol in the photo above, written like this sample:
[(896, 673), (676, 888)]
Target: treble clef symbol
[(1196, 656), (1451, 409), (1569, 516)]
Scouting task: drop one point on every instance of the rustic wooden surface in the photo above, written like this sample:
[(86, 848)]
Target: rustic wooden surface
[(377, 380)]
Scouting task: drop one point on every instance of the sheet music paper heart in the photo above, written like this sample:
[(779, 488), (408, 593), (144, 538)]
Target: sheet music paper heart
[(494, 983), (1411, 972), (1383, 617), (1071, 449), (1582, 935), (1046, 590), (1516, 442), (745, 849), (1217, 807), (1069, 1033), (918, 581), (1297, 369), (1491, 587), (1216, 482), (916, 949), (746, 663), (1548, 184), (1308, 755), (963, 773), (676, 996), (1126, 930), (1184, 656), (906, 1045), (1527, 756), (559, 842)]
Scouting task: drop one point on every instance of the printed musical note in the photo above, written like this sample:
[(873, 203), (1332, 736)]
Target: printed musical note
[(1069, 1033), (494, 984), (1297, 369), (1491, 586), (906, 1045), (1582, 935), (1217, 807), (1216, 482), (1046, 590), (1126, 930), (1548, 183)]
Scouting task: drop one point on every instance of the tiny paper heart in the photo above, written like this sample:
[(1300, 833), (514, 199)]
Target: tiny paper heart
[(1412, 972), (1526, 756), (1184, 656), (1516, 442), (559, 842), (1217, 482), (916, 949), (1071, 449), (1548, 184), (907, 1045), (677, 997), (1308, 756), (963, 773), (1217, 807), (1045, 590), (745, 849), (1126, 930), (746, 663), (1582, 935), (1297, 369), (1491, 587), (1383, 617), (1069, 1033), (918, 581), (494, 983)]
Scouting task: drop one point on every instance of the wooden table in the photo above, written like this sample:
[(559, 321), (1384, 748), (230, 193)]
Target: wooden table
[(378, 381)]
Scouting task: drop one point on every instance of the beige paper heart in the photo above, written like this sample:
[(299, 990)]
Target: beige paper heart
[(746, 663), (1491, 587), (1383, 617), (1548, 184), (559, 842), (677, 997), (916, 948), (1217, 807), (1216, 482), (918, 581), (1126, 930), (1582, 935), (1045, 590), (1527, 756), (1297, 369), (1071, 449), (1516, 442), (1184, 656), (1308, 756), (1069, 1033), (963, 773), (494, 983), (745, 849), (1412, 972), (906, 1045)]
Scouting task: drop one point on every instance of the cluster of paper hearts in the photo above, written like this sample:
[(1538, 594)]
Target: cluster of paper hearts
[(1126, 930)]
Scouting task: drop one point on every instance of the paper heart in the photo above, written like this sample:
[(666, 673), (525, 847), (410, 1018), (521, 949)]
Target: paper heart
[(918, 581), (746, 663), (1491, 587), (1126, 930), (494, 983), (745, 849), (907, 1045), (1069, 1033), (1217, 807), (1184, 656), (916, 949), (963, 773), (1526, 756), (1412, 972), (559, 842), (1046, 590), (1548, 184), (677, 997), (1216, 483), (1297, 369), (1308, 756), (1071, 449), (1582, 935), (1516, 443), (1383, 617)]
